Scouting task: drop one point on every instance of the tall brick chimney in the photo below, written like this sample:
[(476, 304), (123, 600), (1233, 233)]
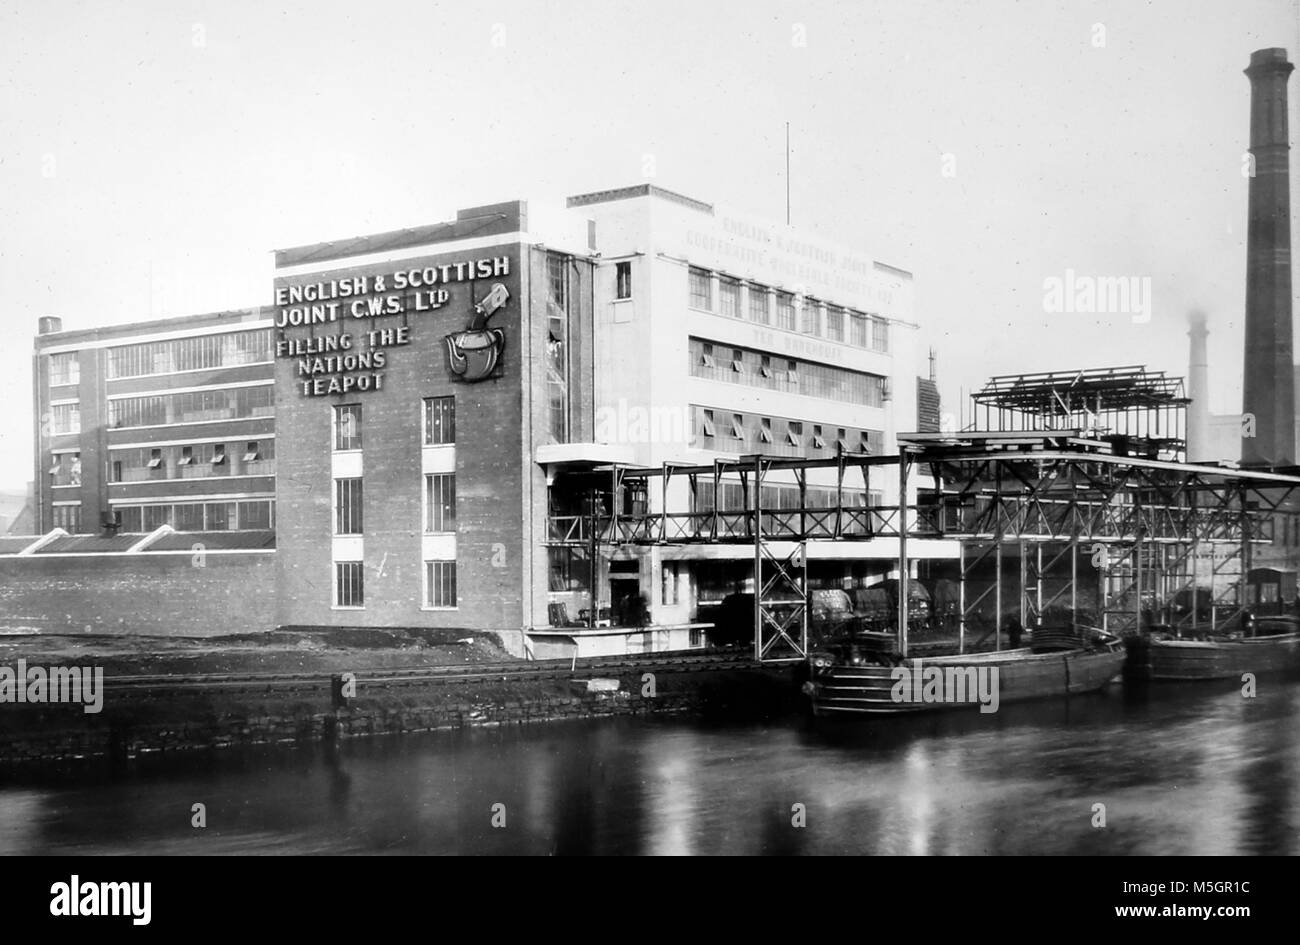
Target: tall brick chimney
[(1269, 379)]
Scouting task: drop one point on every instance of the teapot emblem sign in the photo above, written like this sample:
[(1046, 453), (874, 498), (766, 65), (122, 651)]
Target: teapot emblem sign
[(474, 353)]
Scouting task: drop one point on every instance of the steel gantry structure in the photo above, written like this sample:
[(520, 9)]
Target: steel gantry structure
[(1134, 408), (1060, 502)]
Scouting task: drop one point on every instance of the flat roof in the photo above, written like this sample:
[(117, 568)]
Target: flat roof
[(252, 313), (635, 191), (496, 219)]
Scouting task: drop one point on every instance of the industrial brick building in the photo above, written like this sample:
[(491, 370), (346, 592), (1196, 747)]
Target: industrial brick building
[(407, 493), (423, 416), (167, 422)]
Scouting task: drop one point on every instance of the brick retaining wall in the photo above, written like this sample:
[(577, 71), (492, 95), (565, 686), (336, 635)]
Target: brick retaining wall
[(168, 595)]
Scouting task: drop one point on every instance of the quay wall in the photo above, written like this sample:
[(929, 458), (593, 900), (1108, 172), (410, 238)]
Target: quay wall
[(133, 725)]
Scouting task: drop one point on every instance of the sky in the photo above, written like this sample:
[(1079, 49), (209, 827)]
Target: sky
[(154, 154)]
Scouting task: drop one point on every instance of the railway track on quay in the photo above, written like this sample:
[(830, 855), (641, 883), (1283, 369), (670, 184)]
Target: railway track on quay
[(471, 674)]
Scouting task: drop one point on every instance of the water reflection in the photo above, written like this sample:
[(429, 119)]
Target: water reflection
[(1180, 770)]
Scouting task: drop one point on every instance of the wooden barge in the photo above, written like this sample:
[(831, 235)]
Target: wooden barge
[(1161, 657), (858, 678)]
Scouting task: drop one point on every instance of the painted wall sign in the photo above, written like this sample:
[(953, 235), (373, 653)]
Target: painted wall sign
[(351, 361), (318, 303), (473, 353)]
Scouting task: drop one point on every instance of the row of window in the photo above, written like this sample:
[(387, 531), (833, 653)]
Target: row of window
[(195, 461), (231, 403), (252, 515), (754, 368), (190, 354), (439, 426), (786, 310), (439, 584), (199, 460), (439, 505), (730, 432), (732, 498), (557, 347), (439, 423), (256, 514)]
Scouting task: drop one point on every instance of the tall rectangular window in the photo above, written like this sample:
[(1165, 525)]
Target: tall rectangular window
[(759, 300), (701, 289), (65, 369), (440, 502), (809, 316), (668, 595), (857, 329), (347, 507), (439, 421), (785, 311), (440, 584), (557, 346), (347, 427), (706, 424), (623, 280), (879, 334), (737, 426), (834, 323), (875, 391), (729, 297), (349, 584)]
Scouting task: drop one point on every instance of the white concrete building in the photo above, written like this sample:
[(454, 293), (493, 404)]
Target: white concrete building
[(716, 335)]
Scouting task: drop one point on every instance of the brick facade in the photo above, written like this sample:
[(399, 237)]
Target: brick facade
[(166, 595), (500, 504)]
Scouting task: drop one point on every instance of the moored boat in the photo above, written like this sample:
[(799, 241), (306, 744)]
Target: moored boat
[(1274, 647), (860, 676)]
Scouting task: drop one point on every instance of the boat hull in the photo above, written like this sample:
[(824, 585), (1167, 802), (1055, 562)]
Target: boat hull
[(1182, 660), (845, 690)]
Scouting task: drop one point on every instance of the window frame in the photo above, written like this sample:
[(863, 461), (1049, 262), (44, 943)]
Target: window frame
[(442, 512), (349, 506), (340, 412), (729, 291), (431, 566), (697, 278), (439, 421), (357, 602), (623, 280)]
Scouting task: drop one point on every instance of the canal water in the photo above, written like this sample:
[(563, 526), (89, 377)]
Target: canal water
[(1181, 769)]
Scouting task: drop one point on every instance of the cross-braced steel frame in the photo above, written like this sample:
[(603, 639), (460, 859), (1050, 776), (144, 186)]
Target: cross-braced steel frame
[(1047, 499)]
